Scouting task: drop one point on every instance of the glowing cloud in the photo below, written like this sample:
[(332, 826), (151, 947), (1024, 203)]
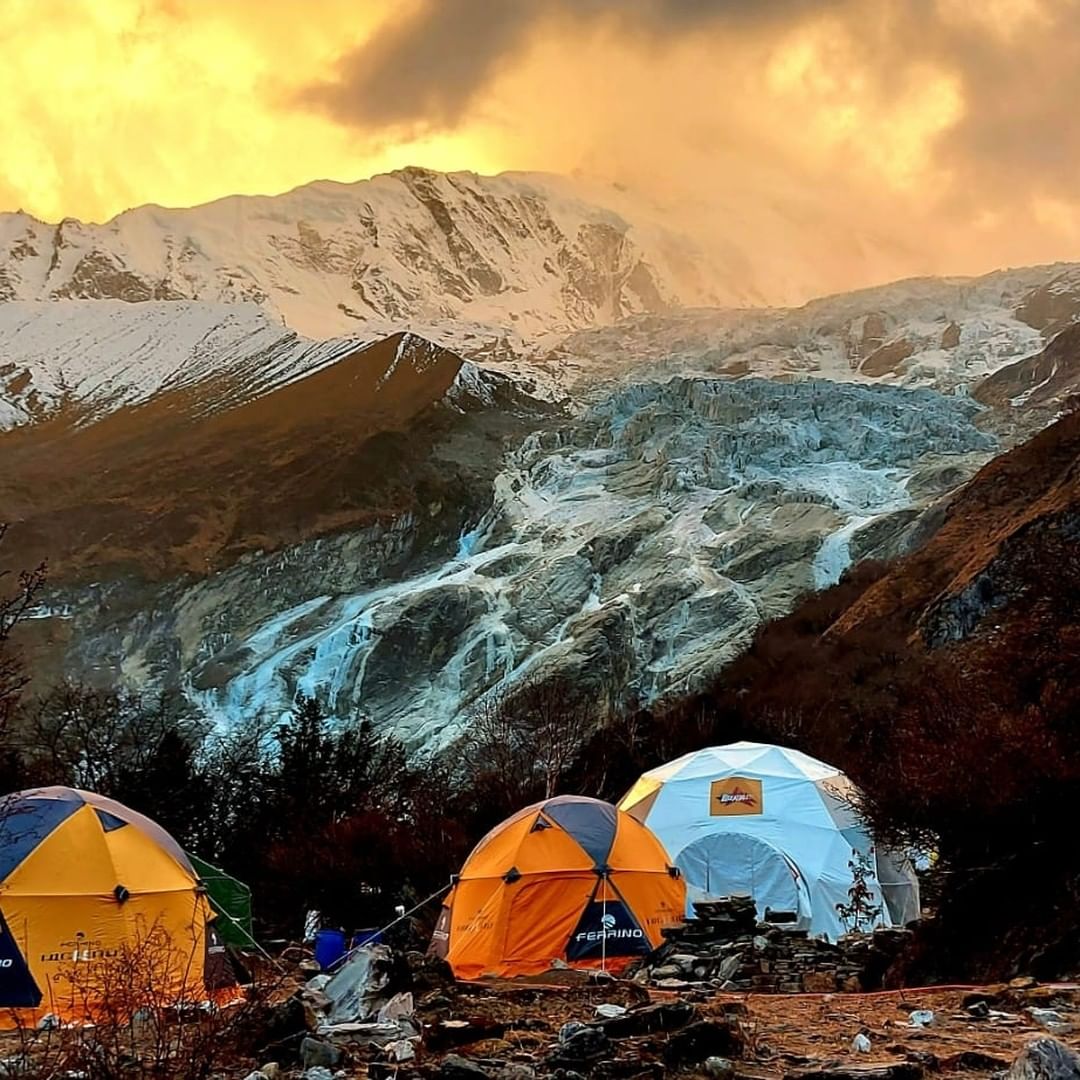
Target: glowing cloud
[(909, 135)]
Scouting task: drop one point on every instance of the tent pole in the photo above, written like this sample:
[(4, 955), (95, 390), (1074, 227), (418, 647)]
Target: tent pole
[(603, 930)]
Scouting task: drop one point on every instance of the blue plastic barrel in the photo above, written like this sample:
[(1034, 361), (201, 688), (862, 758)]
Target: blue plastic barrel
[(329, 947), (366, 937)]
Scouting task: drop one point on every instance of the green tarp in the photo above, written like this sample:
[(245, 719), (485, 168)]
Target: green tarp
[(230, 898)]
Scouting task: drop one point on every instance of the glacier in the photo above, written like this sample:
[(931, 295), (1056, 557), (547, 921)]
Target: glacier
[(634, 551)]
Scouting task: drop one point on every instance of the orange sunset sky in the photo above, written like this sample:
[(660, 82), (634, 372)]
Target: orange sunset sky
[(945, 130)]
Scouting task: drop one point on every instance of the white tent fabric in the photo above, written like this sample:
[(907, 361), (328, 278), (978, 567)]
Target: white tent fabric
[(775, 824)]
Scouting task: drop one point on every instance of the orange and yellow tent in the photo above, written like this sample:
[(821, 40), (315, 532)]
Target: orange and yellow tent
[(569, 879), (98, 904)]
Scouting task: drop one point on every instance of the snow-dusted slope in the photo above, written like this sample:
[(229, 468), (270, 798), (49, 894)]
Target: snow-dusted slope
[(940, 333), (530, 254), (104, 354)]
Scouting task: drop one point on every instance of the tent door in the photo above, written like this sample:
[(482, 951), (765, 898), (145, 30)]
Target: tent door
[(727, 863), (542, 914)]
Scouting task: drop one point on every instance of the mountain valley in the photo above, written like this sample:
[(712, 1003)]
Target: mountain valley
[(616, 488)]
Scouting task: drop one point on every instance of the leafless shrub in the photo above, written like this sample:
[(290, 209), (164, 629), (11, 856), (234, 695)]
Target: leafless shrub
[(146, 1016)]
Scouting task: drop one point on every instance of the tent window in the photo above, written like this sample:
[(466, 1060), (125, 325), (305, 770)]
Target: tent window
[(109, 822)]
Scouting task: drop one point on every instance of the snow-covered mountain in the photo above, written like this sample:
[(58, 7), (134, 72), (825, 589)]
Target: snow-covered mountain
[(940, 332), (94, 357), (529, 254)]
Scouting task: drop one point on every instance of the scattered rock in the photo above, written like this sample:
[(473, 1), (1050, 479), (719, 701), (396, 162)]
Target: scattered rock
[(724, 946), (454, 1067), (315, 1052), (703, 1039), (580, 1045), (609, 1012), (861, 1044), (271, 1071), (399, 1007), (447, 1033), (664, 1016), (318, 1072), (974, 1061), (720, 1068), (1051, 1019), (401, 1050), (1045, 1059), (981, 997), (516, 1071)]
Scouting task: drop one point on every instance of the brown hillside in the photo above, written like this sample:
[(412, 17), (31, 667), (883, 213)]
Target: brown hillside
[(170, 487), (946, 586)]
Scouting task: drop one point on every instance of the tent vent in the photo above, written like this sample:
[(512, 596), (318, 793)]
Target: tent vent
[(121, 894), (512, 875), (109, 822), (540, 823)]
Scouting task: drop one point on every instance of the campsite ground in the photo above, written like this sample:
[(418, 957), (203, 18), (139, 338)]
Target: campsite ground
[(518, 1030), (791, 1035)]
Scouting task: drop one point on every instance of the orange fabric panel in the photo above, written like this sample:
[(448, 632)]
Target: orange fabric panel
[(530, 851), (497, 852), (657, 900), (551, 850), (636, 847), (529, 812), (477, 922), (75, 946), (79, 859), (542, 915)]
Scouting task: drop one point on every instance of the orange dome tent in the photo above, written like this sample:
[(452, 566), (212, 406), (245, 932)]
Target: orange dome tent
[(570, 879), (97, 902)]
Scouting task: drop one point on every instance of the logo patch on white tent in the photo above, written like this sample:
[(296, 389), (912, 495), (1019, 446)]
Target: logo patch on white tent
[(734, 796)]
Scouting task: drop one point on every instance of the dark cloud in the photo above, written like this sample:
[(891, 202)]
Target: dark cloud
[(1016, 137), (1021, 128), (428, 67)]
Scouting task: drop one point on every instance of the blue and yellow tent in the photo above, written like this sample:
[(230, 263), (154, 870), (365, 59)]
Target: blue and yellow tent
[(91, 893)]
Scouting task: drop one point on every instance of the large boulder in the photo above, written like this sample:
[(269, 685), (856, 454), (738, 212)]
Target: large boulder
[(1045, 1059)]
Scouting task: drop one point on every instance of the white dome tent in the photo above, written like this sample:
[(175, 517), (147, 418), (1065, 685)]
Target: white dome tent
[(773, 823)]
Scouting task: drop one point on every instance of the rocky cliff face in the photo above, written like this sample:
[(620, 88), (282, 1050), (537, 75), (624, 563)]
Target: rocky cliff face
[(1045, 379), (1001, 542)]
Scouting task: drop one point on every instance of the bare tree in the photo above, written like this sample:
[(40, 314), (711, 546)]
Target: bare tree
[(521, 742), (15, 605)]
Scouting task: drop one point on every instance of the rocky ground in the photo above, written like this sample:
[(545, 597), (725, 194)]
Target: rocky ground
[(400, 1014), (569, 1026)]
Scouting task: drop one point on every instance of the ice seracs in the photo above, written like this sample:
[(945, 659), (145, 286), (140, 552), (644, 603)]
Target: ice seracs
[(634, 551)]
